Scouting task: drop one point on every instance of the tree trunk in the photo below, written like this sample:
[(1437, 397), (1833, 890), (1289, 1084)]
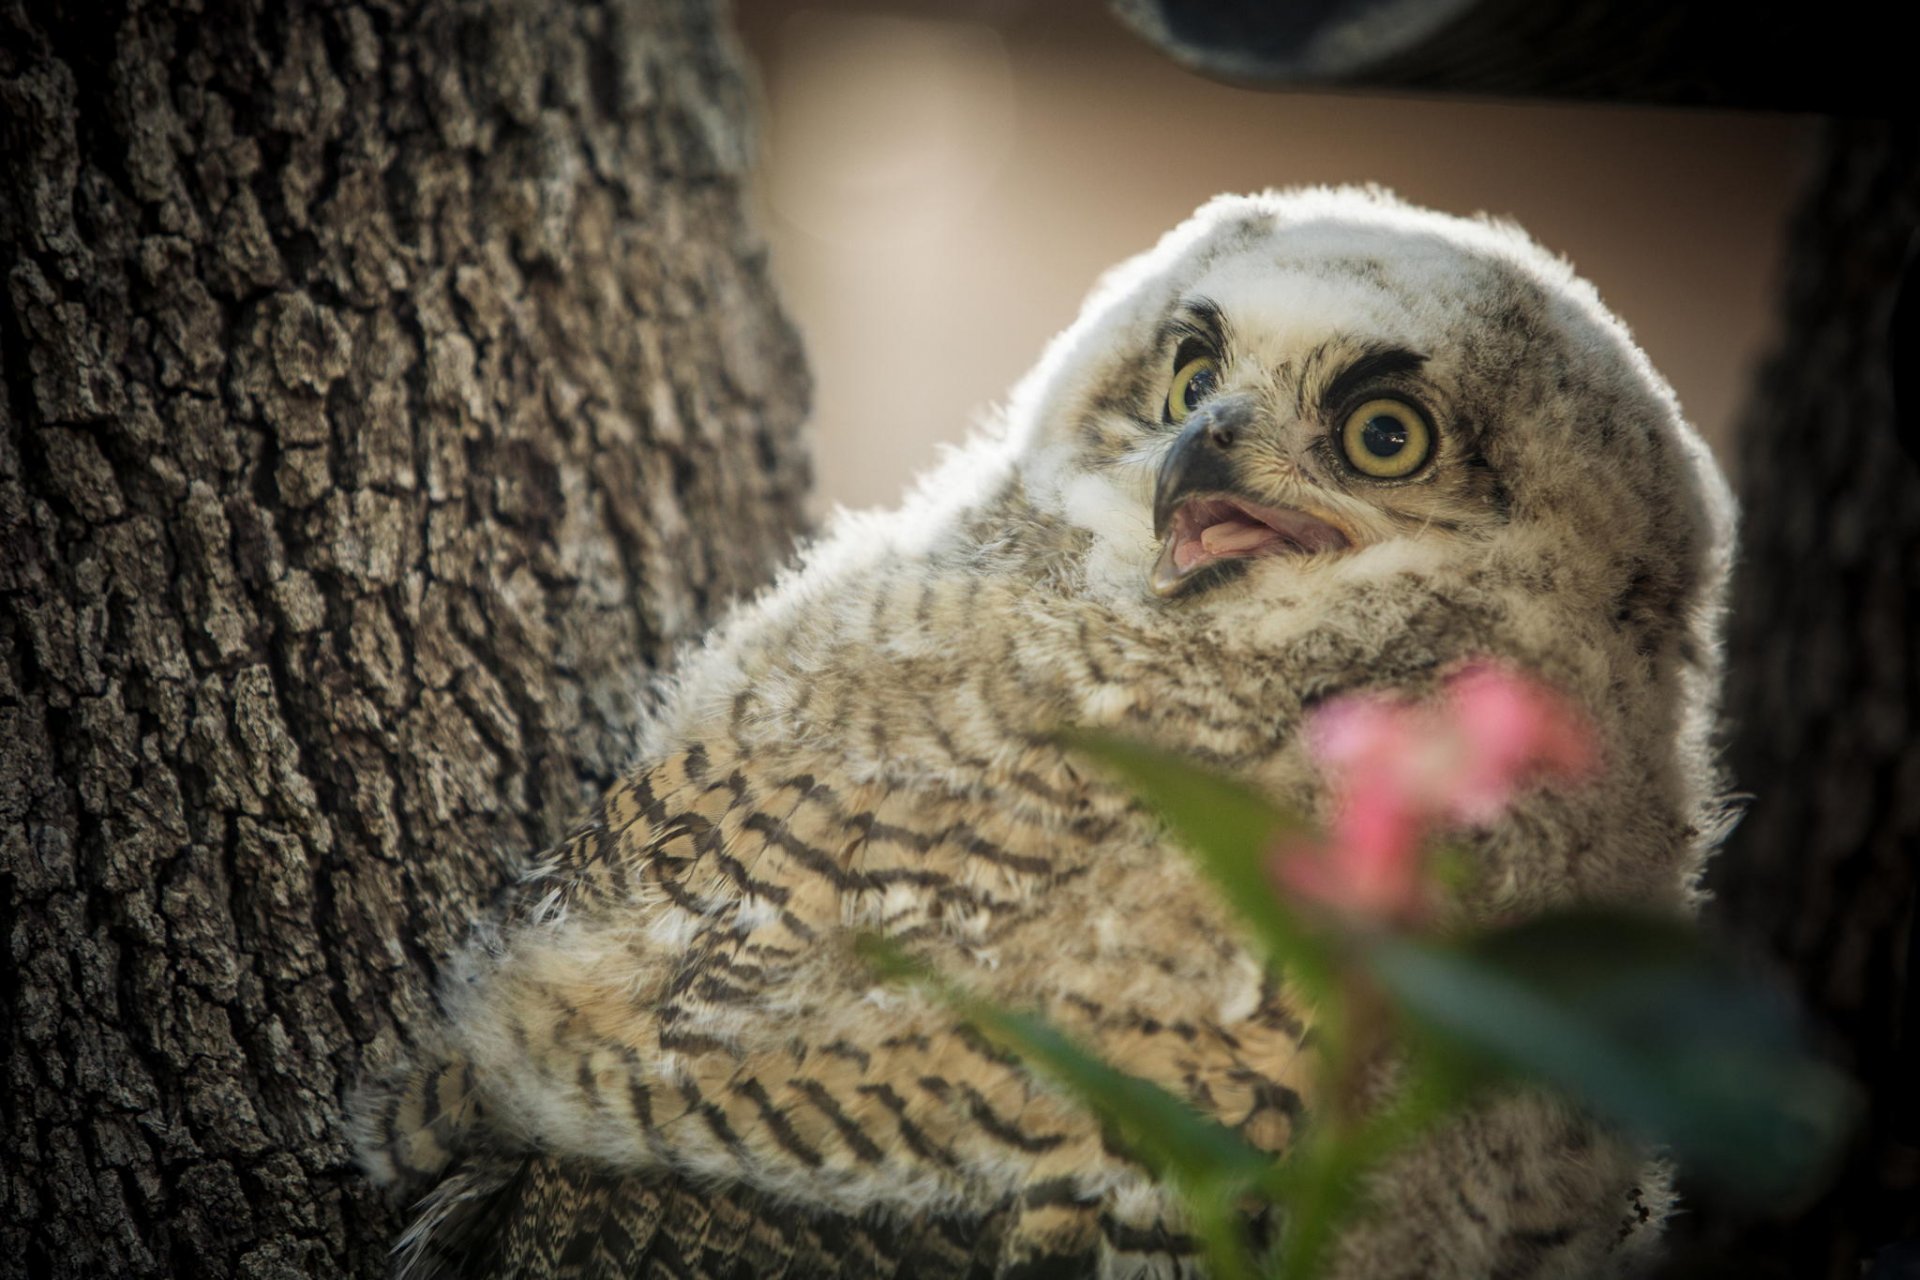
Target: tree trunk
[(1824, 698), (386, 387)]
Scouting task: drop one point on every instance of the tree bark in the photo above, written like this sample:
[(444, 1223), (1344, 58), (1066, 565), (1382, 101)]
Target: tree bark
[(1824, 699), (386, 387)]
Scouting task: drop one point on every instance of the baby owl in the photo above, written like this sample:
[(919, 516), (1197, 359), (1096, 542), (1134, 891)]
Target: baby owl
[(1312, 442)]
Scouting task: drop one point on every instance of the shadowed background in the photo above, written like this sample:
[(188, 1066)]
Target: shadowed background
[(943, 183)]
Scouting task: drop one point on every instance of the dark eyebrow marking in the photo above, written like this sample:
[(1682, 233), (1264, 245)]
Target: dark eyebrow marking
[(1197, 321), (1387, 362)]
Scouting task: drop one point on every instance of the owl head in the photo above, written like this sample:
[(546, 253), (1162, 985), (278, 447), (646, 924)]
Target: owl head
[(1318, 384)]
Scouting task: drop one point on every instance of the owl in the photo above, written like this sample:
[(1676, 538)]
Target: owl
[(1311, 443)]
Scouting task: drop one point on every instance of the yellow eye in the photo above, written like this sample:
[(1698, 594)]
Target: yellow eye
[(1386, 439), (1196, 380)]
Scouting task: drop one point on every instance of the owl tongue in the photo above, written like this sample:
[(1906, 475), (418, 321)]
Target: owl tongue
[(1214, 527), (1229, 537)]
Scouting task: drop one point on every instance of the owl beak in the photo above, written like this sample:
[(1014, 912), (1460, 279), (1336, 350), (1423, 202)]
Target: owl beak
[(1201, 517), (1200, 460)]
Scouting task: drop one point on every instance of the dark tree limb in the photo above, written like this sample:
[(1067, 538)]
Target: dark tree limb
[(1843, 57)]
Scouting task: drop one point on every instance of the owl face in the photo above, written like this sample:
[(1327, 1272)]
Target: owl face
[(1290, 445), (1294, 385)]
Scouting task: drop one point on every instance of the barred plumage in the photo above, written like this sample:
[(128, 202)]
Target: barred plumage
[(870, 746)]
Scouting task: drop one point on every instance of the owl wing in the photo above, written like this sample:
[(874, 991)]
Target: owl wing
[(541, 1218), (682, 996)]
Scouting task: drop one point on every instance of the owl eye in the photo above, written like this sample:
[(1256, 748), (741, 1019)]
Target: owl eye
[(1386, 439), (1197, 379)]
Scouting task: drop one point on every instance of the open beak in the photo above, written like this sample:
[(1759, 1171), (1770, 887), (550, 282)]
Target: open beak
[(1202, 517)]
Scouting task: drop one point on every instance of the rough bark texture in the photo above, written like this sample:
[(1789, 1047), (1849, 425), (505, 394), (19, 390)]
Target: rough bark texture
[(386, 387), (1824, 695)]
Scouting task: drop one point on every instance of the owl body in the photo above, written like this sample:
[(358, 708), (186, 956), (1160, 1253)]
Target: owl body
[(1176, 533)]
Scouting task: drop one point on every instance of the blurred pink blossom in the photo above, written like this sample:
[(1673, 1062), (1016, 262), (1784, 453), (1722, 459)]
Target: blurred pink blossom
[(1399, 768)]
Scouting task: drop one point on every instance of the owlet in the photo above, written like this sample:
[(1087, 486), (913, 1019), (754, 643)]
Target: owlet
[(1312, 442)]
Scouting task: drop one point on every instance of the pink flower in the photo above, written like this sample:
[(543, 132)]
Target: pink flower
[(1511, 730), (1398, 769)]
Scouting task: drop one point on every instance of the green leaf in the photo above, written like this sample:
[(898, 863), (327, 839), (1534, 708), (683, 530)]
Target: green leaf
[(1638, 1018), (1166, 1132), (1162, 1129), (1231, 830)]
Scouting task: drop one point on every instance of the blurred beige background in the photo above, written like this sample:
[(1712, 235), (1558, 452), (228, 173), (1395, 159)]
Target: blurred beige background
[(942, 183)]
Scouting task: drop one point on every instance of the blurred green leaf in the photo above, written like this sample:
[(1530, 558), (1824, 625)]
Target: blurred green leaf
[(1232, 831), (1162, 1129), (1640, 1019)]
